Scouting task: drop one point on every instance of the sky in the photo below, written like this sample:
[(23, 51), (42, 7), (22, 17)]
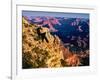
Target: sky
[(55, 14)]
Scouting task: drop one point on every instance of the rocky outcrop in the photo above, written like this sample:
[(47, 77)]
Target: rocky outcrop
[(37, 53)]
